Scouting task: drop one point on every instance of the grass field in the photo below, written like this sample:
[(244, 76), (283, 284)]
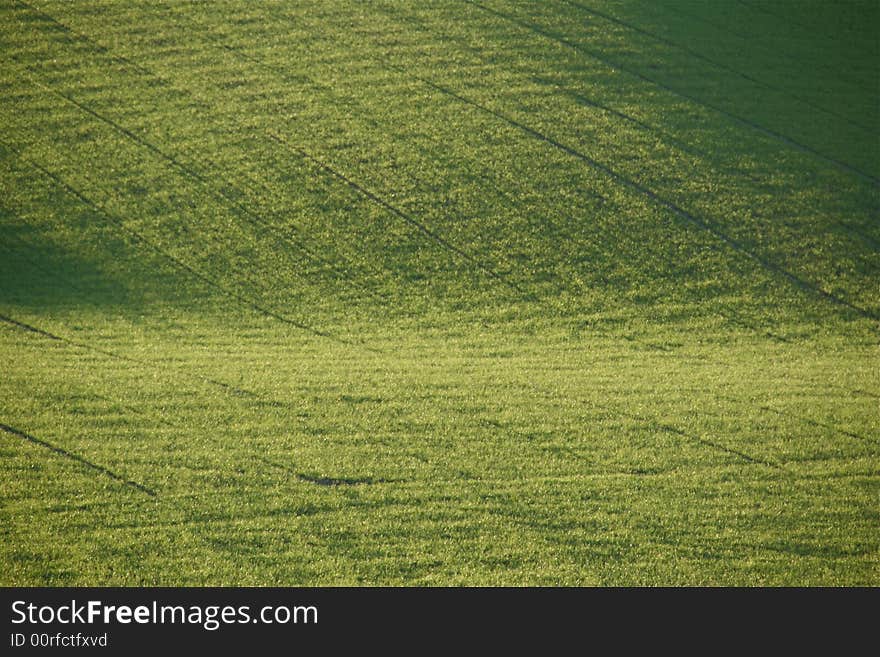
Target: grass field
[(445, 293)]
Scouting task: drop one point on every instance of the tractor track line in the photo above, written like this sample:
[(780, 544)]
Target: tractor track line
[(527, 296), (766, 264), (256, 219), (237, 391), (659, 200), (561, 285), (821, 425), (375, 198), (73, 36), (250, 216), (363, 191), (30, 329), (564, 285), (785, 18), (719, 447), (694, 152), (644, 127), (244, 301), (668, 428), (297, 243), (662, 135), (475, 54), (693, 99), (579, 98), (801, 418), (705, 442), (194, 172), (112, 354), (752, 41), (712, 62), (76, 458)]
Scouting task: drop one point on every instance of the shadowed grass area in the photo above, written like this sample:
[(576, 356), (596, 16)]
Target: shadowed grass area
[(479, 293)]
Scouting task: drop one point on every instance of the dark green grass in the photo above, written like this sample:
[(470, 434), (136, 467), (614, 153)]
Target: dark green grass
[(450, 293)]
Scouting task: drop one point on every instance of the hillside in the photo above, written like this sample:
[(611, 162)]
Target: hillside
[(412, 293)]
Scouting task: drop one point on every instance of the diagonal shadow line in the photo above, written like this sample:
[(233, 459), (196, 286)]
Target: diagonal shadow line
[(640, 125), (279, 73), (786, 18), (668, 428), (73, 36), (583, 100), (718, 446), (249, 215), (175, 162), (363, 191), (112, 354), (616, 65), (645, 127), (297, 240), (29, 328), (75, 457), (243, 300), (379, 200), (822, 425), (712, 62), (376, 198), (545, 81), (656, 198), (253, 217)]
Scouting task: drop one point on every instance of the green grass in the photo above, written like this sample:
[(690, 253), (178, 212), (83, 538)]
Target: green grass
[(475, 293)]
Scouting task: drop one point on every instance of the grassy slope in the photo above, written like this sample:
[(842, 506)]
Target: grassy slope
[(474, 293)]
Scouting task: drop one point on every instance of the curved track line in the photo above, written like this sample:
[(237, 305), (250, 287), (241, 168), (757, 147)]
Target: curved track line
[(251, 217), (363, 191), (659, 200), (693, 99), (112, 354), (787, 19), (244, 301), (822, 425), (662, 135), (712, 62), (254, 218), (75, 457)]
